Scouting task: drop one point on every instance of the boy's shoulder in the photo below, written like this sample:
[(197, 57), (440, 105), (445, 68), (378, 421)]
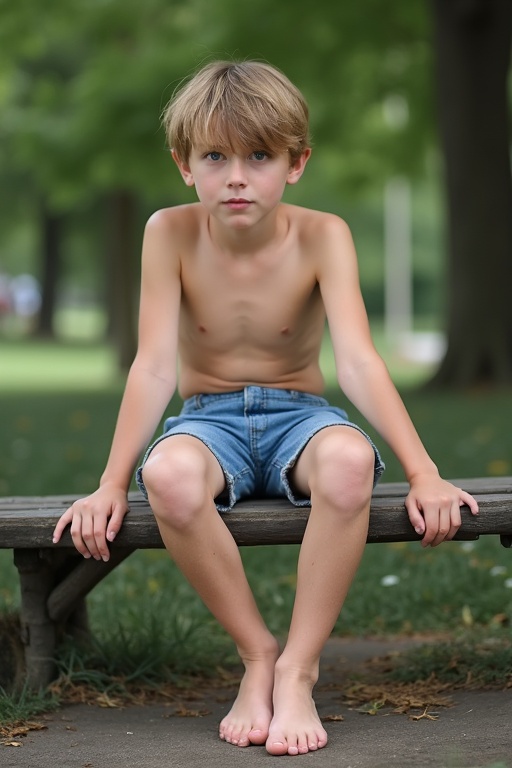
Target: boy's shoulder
[(312, 227), (184, 217), (170, 232), (312, 223)]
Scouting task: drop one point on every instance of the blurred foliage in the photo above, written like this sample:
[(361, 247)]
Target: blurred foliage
[(82, 84)]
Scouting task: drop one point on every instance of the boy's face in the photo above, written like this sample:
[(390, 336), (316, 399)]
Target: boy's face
[(240, 186)]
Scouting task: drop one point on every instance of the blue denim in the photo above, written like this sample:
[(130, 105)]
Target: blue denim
[(256, 434)]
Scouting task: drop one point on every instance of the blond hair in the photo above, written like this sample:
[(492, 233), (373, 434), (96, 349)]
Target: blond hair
[(233, 105)]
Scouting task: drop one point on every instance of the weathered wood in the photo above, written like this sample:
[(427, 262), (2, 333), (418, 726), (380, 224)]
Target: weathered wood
[(38, 631), (29, 522), (79, 582)]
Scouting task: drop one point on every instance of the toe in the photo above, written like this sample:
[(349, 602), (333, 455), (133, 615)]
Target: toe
[(276, 747), (293, 746), (302, 743), (257, 736), (321, 739)]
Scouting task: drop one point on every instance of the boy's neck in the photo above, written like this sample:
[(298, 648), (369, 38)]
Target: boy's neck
[(270, 231)]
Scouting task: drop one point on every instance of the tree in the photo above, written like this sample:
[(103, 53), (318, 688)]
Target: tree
[(473, 45), (50, 227)]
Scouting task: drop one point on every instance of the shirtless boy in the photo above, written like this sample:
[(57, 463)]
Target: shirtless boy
[(237, 287)]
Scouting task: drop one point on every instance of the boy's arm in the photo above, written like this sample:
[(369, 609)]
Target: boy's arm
[(150, 385), (433, 504)]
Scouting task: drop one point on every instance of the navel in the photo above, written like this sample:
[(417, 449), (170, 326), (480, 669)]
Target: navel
[(201, 329), (285, 331)]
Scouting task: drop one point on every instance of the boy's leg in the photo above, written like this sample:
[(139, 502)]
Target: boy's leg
[(183, 478), (336, 468)]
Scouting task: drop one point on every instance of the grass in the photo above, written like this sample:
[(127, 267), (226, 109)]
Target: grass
[(58, 405), (479, 660), (24, 705), (180, 645), (41, 367)]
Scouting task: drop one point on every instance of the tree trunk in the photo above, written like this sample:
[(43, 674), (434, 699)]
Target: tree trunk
[(51, 249), (473, 44), (122, 275)]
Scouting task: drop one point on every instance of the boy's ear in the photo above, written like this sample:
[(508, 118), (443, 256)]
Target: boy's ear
[(297, 168), (184, 169)]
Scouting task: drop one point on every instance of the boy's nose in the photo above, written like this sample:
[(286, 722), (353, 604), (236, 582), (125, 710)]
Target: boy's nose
[(236, 173)]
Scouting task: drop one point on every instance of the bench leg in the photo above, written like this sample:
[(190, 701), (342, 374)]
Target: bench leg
[(74, 583), (38, 631), (54, 585)]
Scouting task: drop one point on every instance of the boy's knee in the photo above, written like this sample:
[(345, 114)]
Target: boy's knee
[(342, 474), (175, 480)]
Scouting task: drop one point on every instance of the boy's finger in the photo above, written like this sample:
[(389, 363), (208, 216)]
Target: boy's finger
[(472, 503), (115, 522), (456, 521), (100, 542), (432, 524), (79, 543), (415, 516), (61, 525), (84, 538)]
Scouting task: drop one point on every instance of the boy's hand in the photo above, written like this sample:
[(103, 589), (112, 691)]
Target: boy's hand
[(433, 505), (94, 521)]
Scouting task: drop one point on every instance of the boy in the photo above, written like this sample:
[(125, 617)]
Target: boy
[(238, 286)]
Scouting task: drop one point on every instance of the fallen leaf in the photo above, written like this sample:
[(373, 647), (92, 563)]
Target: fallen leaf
[(371, 708), (183, 711), (9, 733), (425, 716), (104, 700)]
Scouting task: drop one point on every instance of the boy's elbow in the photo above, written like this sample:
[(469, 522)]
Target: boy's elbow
[(352, 372), (166, 374)]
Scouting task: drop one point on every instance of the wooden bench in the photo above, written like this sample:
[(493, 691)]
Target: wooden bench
[(55, 579)]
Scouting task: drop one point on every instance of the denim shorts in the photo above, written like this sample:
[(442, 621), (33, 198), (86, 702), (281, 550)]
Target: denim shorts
[(256, 434)]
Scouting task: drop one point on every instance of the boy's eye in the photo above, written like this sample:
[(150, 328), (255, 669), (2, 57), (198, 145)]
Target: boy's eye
[(259, 155), (215, 156)]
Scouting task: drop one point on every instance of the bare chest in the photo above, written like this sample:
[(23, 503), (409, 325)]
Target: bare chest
[(252, 301)]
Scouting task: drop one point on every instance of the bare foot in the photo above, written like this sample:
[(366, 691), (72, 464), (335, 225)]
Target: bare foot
[(249, 718), (295, 728)]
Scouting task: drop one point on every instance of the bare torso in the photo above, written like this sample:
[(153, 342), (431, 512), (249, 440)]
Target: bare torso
[(250, 318)]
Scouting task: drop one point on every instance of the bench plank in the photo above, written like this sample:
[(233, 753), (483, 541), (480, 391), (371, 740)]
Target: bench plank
[(29, 523)]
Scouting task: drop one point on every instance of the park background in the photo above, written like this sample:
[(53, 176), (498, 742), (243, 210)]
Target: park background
[(410, 111)]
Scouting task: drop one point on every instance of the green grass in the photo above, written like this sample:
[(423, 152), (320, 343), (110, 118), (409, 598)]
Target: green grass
[(45, 366), (478, 659), (166, 645), (58, 406), (25, 705)]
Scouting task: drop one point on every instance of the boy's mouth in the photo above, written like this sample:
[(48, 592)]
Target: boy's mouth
[(237, 203)]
